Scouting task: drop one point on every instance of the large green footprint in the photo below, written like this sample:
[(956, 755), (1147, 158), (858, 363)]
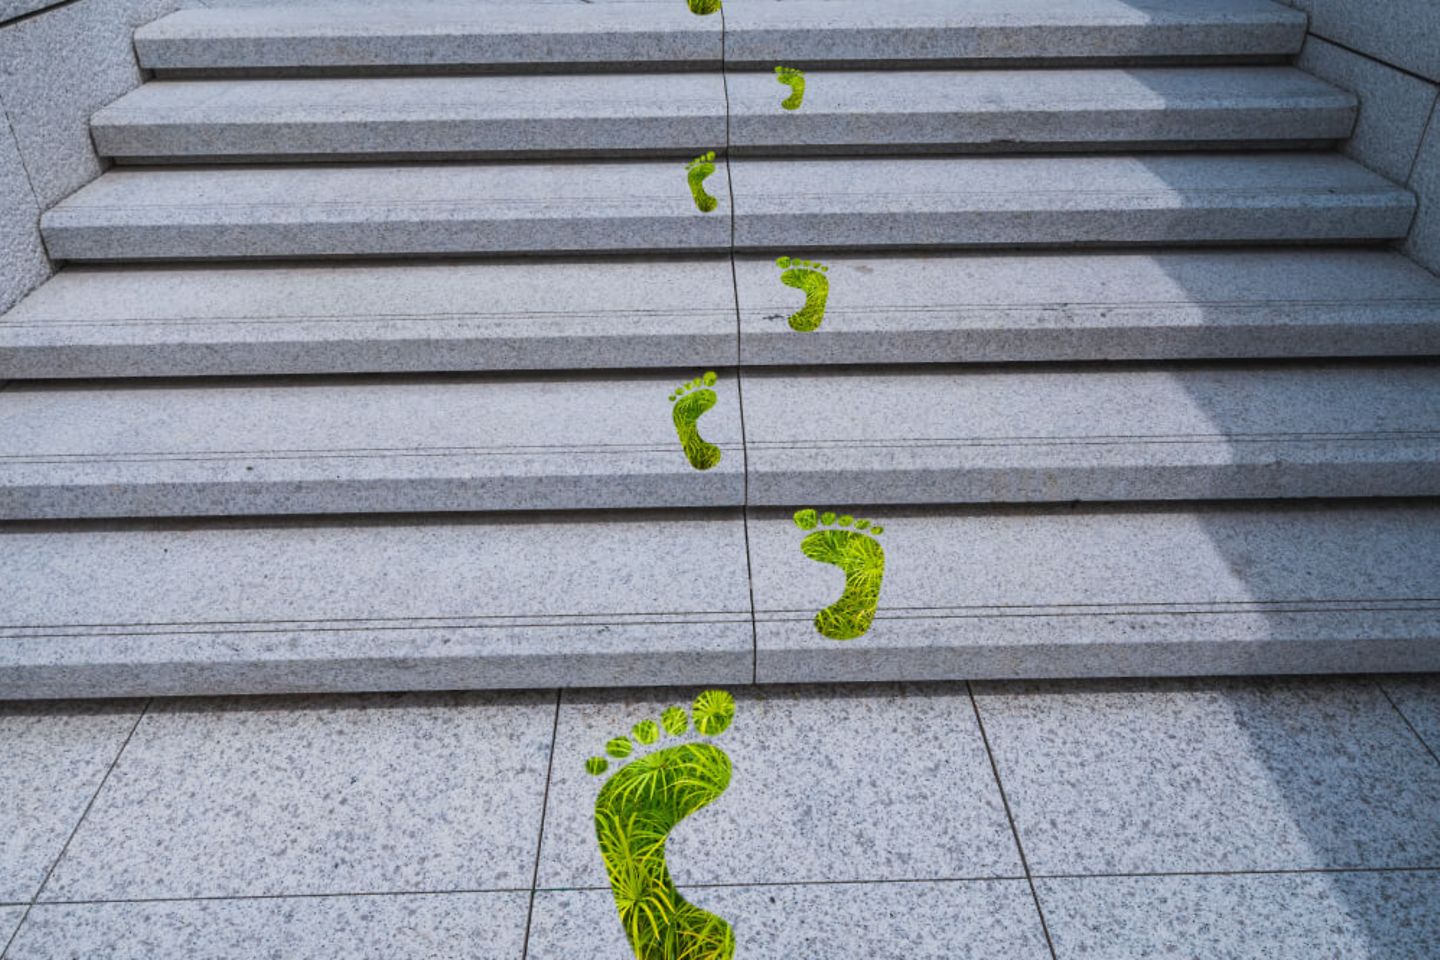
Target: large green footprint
[(704, 8), (860, 556), (691, 401), (809, 277), (636, 810), (696, 171), (795, 80)]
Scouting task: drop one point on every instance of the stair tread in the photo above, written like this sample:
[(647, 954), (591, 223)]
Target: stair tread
[(393, 445), (434, 209), (459, 602), (594, 114), (1215, 431)]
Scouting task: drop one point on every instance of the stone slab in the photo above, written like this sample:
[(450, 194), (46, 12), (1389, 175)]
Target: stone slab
[(874, 921), (440, 603), (1423, 243), (1169, 305), (431, 36), (215, 213), (1021, 110), (807, 802), (10, 918), (376, 446), (546, 117), (1112, 591), (56, 755), (1208, 776), (1062, 201), (1403, 36), (804, 32), (390, 793), (23, 265), (1245, 917), (957, 435), (58, 68), (1394, 106), (476, 926), (369, 318), (1418, 699)]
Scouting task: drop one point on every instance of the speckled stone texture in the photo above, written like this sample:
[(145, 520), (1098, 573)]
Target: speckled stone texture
[(970, 920), (1395, 106), (23, 265), (424, 603), (820, 774), (377, 210), (1403, 34), (1018, 110), (1419, 700), (458, 926), (10, 921), (58, 68), (387, 793), (1111, 591), (355, 36), (1424, 241), (391, 318), (990, 201), (1264, 917), (806, 32), (989, 307), (55, 756), (424, 444), (1200, 776), (952, 435), (546, 117)]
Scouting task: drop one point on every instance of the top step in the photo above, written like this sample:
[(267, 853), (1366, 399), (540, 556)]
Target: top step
[(663, 34)]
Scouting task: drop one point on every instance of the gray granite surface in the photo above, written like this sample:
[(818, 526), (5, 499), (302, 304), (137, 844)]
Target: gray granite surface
[(1403, 34), (1424, 241), (1418, 699), (23, 265), (1201, 776)]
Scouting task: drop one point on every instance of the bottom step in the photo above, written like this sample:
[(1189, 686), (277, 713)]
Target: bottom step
[(634, 599)]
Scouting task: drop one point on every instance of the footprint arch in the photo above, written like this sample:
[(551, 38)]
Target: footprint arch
[(809, 278), (851, 545), (636, 810), (691, 401)]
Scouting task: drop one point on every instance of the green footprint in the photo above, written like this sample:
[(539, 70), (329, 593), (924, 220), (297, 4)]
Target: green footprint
[(698, 169), (691, 401), (636, 810), (795, 80), (863, 560), (809, 277), (704, 7)]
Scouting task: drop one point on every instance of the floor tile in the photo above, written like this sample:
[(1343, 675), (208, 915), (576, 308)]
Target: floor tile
[(1418, 698), (463, 926), (9, 919), (358, 794), (882, 782), (1354, 916), (966, 920), (1199, 776), (55, 755)]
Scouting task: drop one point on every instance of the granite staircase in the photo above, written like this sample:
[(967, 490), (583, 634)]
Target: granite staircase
[(357, 374)]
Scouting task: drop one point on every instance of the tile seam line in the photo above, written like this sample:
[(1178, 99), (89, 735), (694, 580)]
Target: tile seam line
[(739, 368), (1420, 145), (114, 761), (1010, 818), (1312, 32), (540, 838), (1380, 684)]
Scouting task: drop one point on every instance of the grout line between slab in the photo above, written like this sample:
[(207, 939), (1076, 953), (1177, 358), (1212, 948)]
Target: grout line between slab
[(78, 824), (1010, 817), (540, 839), (1406, 720)]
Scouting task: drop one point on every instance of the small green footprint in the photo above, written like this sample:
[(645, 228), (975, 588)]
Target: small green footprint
[(795, 80), (863, 560), (691, 401), (636, 810), (807, 276), (698, 169), (704, 8)]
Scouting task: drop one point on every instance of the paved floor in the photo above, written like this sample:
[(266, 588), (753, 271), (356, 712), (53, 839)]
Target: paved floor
[(1271, 819)]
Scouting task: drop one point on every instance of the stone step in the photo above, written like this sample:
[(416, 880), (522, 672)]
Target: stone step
[(672, 113), (618, 313), (635, 599), (1113, 591), (941, 435), (374, 318), (430, 37), (1135, 305), (456, 602), (233, 448), (788, 205)]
